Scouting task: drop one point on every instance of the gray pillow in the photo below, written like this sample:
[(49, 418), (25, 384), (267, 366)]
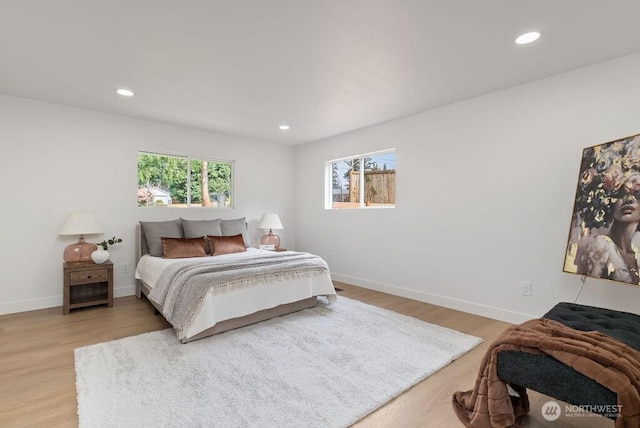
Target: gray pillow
[(202, 228), (235, 227), (154, 230)]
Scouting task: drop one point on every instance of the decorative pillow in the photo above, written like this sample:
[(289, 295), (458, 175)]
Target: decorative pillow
[(226, 244), (154, 230), (234, 227), (201, 228), (177, 248)]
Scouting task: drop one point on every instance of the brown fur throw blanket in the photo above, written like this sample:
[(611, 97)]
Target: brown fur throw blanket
[(599, 357)]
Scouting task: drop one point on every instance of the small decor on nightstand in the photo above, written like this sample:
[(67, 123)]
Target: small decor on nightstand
[(270, 221), (79, 224), (101, 255)]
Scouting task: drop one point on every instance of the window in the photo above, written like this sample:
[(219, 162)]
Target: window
[(183, 181), (364, 181)]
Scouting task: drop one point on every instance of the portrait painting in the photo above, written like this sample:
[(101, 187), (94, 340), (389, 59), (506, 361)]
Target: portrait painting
[(603, 237)]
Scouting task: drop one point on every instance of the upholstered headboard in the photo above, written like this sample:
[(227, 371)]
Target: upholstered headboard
[(141, 243)]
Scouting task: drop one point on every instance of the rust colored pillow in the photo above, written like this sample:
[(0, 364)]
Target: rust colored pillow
[(177, 248), (226, 244)]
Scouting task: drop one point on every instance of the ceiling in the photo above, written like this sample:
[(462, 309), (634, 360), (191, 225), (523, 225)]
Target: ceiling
[(324, 67)]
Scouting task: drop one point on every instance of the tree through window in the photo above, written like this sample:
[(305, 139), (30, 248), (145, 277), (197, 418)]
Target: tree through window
[(182, 181)]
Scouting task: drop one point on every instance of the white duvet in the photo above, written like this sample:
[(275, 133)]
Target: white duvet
[(243, 301)]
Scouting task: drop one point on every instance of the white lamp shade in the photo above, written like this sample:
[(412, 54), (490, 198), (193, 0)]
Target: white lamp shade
[(80, 224), (270, 221)]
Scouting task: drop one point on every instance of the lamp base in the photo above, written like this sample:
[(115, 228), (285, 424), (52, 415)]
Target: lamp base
[(271, 239), (79, 252)]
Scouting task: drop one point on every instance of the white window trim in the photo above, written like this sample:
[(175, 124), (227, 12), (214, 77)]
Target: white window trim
[(328, 179), (201, 158)]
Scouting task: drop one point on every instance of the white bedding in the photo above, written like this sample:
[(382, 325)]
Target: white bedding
[(243, 301)]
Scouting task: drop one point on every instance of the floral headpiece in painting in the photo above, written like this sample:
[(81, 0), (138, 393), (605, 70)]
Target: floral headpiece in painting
[(608, 172)]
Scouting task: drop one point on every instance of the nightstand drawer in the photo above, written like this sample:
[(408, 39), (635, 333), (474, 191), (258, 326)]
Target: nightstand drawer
[(88, 276)]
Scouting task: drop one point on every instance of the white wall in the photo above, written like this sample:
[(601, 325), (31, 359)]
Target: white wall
[(57, 159), (485, 191)]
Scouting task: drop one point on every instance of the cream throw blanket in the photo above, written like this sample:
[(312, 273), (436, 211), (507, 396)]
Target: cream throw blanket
[(182, 287)]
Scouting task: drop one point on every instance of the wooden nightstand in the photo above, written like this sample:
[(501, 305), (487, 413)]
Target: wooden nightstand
[(87, 284)]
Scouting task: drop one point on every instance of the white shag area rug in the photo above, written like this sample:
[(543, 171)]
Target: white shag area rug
[(328, 366)]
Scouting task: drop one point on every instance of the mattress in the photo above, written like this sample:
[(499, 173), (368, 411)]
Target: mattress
[(243, 301)]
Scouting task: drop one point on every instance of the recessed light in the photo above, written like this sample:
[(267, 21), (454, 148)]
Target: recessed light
[(124, 92), (284, 127), (528, 37)]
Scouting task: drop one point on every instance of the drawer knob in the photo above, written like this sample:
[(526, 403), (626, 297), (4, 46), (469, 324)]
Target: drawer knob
[(89, 276)]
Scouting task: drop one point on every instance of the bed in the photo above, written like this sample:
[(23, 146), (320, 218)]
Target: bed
[(252, 297)]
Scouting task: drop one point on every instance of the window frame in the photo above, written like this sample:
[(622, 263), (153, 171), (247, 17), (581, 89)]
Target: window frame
[(189, 159), (328, 199)]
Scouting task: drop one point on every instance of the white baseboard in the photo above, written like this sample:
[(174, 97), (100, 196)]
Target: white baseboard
[(435, 299), (129, 290), (421, 296), (53, 301), (30, 305)]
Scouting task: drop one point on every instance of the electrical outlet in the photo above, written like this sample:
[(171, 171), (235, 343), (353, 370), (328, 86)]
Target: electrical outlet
[(125, 267), (525, 288)]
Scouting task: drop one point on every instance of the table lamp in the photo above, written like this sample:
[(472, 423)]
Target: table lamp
[(79, 224), (270, 221)]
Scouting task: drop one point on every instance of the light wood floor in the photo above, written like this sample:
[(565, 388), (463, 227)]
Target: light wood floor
[(37, 377)]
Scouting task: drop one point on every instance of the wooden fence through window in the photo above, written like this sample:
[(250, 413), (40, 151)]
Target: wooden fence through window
[(379, 186)]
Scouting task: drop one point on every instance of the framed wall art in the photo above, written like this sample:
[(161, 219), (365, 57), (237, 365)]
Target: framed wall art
[(603, 239)]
